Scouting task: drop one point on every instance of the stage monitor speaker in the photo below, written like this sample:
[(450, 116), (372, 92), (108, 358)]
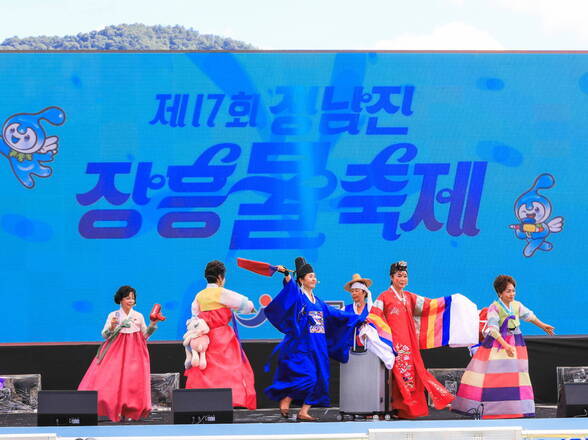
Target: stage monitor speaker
[(573, 400), (66, 408), (203, 405)]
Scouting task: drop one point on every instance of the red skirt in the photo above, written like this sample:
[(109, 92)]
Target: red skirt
[(227, 367), (122, 379)]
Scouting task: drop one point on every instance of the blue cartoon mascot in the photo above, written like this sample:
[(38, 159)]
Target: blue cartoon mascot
[(26, 145), (533, 211)]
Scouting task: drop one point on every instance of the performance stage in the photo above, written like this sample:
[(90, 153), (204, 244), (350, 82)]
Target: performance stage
[(62, 366), (140, 168), (267, 424)]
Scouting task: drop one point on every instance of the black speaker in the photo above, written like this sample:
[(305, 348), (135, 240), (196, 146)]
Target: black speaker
[(573, 400), (66, 408), (206, 405)]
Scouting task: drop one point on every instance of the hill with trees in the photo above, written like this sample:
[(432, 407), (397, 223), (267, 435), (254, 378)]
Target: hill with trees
[(129, 37)]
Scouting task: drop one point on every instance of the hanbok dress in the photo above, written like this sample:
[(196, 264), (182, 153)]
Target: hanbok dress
[(227, 365), (350, 308), (120, 372), (314, 331), (495, 385), (414, 322)]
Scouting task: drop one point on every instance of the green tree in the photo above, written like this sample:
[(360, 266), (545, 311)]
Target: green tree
[(129, 37)]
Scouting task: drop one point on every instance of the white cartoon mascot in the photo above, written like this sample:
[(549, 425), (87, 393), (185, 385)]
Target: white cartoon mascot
[(27, 147), (533, 211)]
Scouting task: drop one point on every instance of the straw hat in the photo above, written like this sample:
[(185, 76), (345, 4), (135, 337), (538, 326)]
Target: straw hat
[(356, 278)]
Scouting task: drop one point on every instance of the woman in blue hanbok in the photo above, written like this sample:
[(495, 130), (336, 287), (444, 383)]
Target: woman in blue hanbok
[(313, 332)]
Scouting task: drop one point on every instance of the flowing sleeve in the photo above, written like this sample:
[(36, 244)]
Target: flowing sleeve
[(236, 301), (106, 329), (142, 324), (147, 330), (195, 308), (286, 311), (418, 303), (378, 335), (450, 320), (339, 331), (493, 324), (525, 314)]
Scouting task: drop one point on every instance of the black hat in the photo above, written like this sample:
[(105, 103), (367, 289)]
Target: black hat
[(399, 266), (302, 267)]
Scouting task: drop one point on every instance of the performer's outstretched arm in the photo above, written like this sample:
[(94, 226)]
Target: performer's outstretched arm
[(236, 301)]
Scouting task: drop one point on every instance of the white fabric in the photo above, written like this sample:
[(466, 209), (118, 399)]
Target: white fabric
[(368, 300), (358, 285), (465, 322), (308, 293), (135, 319), (374, 344)]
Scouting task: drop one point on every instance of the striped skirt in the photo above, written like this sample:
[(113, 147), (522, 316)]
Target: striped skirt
[(495, 385)]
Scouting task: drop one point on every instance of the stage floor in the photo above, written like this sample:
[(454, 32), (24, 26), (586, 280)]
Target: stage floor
[(264, 424), (259, 416)]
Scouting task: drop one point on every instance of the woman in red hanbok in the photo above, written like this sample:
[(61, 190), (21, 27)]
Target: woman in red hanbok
[(227, 365), (120, 372), (409, 378)]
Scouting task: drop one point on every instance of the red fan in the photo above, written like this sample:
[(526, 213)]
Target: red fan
[(155, 314), (259, 267)]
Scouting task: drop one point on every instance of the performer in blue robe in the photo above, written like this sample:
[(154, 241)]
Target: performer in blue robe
[(314, 331)]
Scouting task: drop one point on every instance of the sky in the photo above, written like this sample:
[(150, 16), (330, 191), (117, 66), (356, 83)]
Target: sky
[(325, 24)]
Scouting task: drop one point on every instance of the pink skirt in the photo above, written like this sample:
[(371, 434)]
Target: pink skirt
[(227, 367), (122, 378)]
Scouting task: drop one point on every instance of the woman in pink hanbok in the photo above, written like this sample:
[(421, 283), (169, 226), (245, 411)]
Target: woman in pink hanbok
[(120, 372)]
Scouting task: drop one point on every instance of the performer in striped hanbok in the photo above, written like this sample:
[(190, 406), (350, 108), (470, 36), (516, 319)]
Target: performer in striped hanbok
[(496, 384)]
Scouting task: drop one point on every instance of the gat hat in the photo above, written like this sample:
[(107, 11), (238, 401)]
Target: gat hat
[(356, 278), (302, 267), (399, 266)]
